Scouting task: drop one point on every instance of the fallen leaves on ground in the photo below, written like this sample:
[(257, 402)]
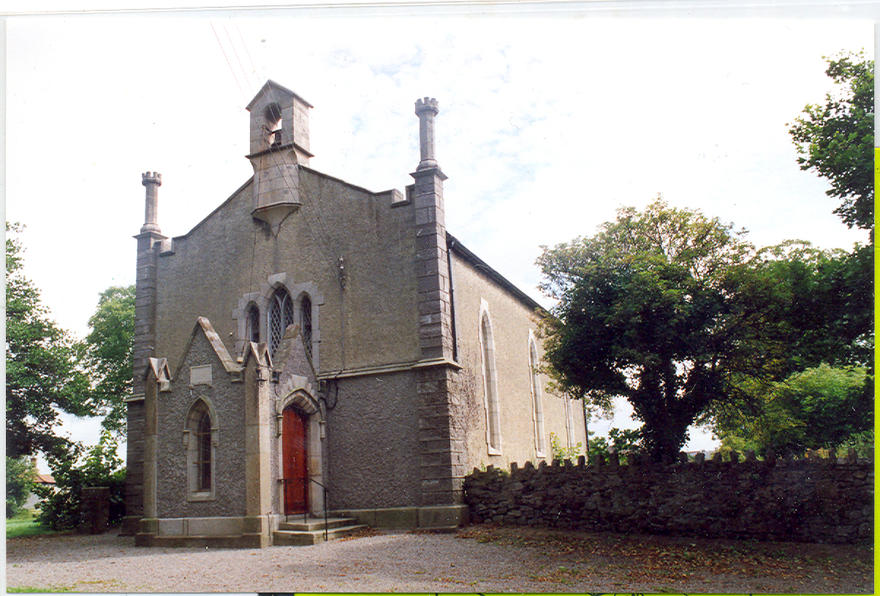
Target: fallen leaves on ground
[(681, 559)]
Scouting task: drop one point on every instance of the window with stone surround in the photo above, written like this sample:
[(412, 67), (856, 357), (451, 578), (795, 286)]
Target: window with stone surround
[(537, 397), (200, 437), (280, 316), (490, 386)]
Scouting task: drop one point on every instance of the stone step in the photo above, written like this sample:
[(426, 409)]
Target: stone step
[(297, 524), (309, 537)]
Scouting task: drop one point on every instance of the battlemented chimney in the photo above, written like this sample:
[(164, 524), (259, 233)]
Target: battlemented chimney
[(152, 181), (442, 442), (435, 324), (149, 243), (426, 109)]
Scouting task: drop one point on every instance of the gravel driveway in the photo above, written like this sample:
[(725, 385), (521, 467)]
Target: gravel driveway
[(480, 559)]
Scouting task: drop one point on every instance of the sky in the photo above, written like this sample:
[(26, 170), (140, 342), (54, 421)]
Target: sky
[(552, 116)]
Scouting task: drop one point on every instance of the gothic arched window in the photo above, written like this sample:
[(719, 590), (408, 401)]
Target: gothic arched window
[(490, 386), (203, 453), (540, 446), (280, 316), (200, 452)]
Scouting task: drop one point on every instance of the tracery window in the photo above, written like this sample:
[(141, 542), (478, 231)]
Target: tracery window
[(280, 316)]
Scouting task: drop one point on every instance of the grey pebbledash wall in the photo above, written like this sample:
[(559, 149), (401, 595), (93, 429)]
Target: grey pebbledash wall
[(797, 500), (371, 439)]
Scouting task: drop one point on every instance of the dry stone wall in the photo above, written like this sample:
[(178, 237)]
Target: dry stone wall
[(797, 500)]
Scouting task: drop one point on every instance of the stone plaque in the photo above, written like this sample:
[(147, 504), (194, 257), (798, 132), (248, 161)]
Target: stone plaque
[(200, 375)]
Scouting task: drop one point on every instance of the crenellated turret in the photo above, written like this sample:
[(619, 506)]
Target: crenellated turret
[(152, 181), (426, 109), (430, 231)]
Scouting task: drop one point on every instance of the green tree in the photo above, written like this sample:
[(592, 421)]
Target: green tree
[(808, 311), (849, 307), (20, 474), (821, 309), (836, 140), (624, 442), (42, 376), (650, 309), (820, 407), (109, 354)]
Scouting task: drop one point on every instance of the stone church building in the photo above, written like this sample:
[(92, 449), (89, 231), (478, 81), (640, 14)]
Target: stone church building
[(313, 342)]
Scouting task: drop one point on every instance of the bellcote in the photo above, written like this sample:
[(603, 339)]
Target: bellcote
[(279, 120), (279, 132)]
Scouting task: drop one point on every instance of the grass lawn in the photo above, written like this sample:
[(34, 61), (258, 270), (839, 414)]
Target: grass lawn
[(25, 524)]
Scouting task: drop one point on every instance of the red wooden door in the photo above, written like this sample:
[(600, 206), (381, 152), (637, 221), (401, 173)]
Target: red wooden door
[(293, 452)]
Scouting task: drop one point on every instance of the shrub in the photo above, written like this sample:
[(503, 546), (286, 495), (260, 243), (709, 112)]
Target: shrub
[(561, 453), (62, 507), (862, 443)]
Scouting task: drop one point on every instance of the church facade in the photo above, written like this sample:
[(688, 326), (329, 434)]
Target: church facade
[(314, 342)]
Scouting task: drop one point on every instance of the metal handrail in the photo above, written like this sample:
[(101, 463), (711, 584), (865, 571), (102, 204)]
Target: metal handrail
[(324, 494), (286, 481)]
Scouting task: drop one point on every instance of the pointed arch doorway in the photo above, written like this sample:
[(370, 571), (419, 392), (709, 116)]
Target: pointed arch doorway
[(294, 441)]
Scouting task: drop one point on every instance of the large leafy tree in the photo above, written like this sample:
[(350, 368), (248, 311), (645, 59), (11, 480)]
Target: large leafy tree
[(821, 304), (110, 354), (825, 298), (816, 334), (836, 140), (658, 308), (42, 376)]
